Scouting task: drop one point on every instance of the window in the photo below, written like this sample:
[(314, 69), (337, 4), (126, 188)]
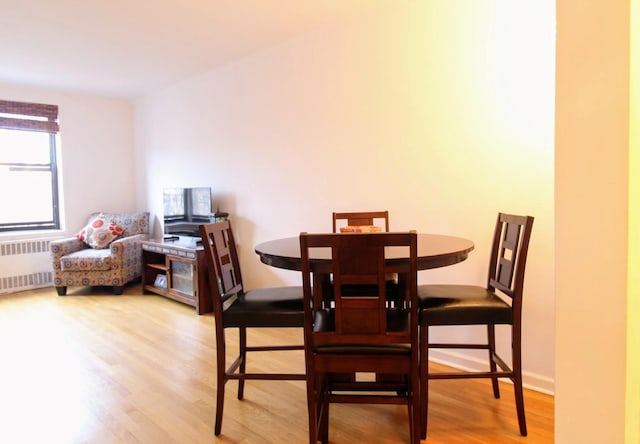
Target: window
[(28, 172)]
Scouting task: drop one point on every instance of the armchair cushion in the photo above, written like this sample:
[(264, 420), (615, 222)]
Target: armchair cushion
[(99, 232), (87, 260)]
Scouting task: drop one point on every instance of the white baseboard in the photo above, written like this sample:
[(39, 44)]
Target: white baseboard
[(531, 381)]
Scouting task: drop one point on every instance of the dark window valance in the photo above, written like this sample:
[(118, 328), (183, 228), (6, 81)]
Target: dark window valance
[(29, 116)]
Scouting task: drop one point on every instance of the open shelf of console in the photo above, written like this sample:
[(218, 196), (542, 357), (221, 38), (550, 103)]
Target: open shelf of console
[(176, 271)]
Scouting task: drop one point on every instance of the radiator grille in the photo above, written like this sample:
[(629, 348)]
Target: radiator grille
[(26, 281), (24, 247), (25, 264)]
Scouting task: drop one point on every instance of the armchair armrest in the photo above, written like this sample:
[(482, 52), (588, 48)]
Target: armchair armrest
[(62, 247), (127, 251)]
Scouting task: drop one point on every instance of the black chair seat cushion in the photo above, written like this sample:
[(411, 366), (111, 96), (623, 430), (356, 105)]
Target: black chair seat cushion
[(267, 307), (461, 305)]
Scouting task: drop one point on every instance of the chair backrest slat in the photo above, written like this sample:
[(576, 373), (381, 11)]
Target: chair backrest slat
[(361, 218), (222, 258), (509, 253)]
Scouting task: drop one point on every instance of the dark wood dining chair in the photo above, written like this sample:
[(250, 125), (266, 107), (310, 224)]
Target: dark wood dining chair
[(359, 333), (361, 218), (235, 307), (369, 218), (499, 303)]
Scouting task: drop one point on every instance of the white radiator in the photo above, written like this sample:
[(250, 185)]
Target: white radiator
[(25, 264)]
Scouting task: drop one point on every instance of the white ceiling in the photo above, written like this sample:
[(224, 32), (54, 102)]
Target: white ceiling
[(130, 47)]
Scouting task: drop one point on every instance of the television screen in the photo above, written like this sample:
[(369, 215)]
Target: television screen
[(174, 204), (185, 209), (200, 200)]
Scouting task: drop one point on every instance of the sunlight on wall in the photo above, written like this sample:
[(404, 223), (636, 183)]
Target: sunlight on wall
[(492, 84), (480, 82), (632, 432)]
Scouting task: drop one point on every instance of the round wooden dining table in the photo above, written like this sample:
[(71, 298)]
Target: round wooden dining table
[(434, 251)]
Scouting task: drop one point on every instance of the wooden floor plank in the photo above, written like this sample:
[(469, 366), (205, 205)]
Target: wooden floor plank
[(91, 367)]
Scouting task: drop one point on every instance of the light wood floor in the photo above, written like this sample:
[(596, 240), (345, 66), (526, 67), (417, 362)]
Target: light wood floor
[(91, 367)]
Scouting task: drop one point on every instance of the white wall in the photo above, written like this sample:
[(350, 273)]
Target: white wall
[(632, 416), (592, 208), (441, 112), (96, 149)]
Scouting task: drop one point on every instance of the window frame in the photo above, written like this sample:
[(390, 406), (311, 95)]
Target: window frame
[(26, 116)]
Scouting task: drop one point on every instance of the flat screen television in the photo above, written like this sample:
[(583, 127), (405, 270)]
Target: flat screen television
[(185, 209)]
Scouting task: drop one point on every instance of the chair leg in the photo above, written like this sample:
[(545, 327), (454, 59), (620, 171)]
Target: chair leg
[(517, 388), (324, 418), (312, 406), (491, 337), (415, 428), (243, 359), (424, 379), (324, 410), (221, 375), (118, 289), (517, 383), (61, 291)]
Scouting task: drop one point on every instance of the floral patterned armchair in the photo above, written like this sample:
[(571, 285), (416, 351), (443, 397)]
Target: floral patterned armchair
[(106, 252)]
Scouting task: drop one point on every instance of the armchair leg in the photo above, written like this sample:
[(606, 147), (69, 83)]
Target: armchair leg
[(61, 291), (118, 289)]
